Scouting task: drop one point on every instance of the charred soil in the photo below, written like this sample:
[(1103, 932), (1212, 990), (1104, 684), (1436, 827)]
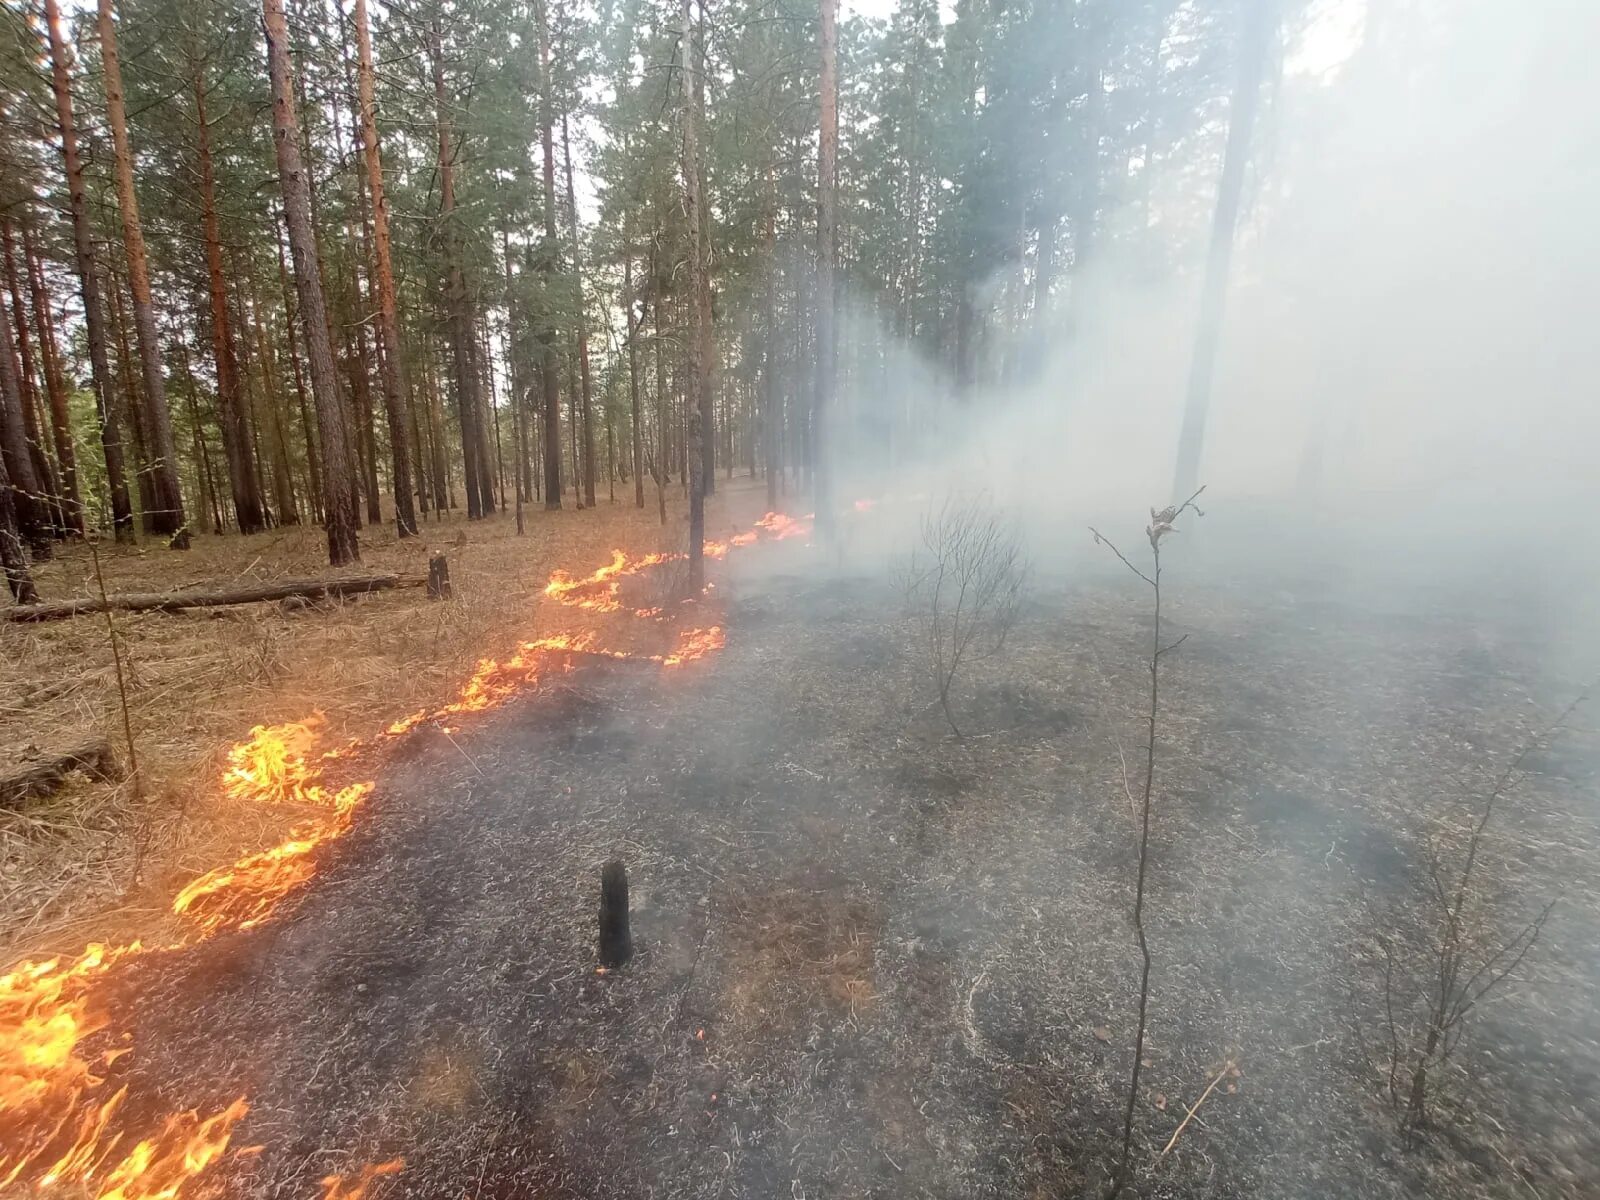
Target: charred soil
[(872, 959)]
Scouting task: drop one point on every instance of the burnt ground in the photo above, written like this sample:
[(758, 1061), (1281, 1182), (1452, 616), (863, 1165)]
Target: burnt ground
[(876, 960)]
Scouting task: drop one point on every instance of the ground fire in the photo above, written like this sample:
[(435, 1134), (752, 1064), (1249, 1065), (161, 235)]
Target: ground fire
[(60, 1116)]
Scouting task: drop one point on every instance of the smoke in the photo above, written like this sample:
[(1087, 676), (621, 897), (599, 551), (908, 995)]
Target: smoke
[(1408, 360)]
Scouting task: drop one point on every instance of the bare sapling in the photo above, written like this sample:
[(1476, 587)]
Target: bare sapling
[(1449, 948), (964, 585), (1161, 524)]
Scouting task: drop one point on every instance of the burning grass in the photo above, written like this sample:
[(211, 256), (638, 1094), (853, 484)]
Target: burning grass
[(199, 682), (61, 1118)]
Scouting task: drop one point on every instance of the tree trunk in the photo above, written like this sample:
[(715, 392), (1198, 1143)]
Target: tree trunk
[(366, 441), (1257, 31), (699, 391), (633, 377), (338, 479), (291, 347), (549, 265), (255, 593), (32, 426), (770, 419), (144, 481), (243, 483), (29, 506), (13, 559), (55, 384), (479, 483), (167, 517), (88, 280), (582, 323), (827, 253), (394, 387)]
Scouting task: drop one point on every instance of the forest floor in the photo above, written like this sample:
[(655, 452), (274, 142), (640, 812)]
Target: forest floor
[(98, 860), (878, 960)]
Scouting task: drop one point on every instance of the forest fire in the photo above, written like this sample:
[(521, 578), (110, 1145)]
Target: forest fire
[(781, 526), (62, 1121)]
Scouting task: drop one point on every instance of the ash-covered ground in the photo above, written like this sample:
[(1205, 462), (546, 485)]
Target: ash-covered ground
[(876, 960)]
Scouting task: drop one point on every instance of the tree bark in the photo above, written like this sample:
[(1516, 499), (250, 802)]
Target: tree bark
[(480, 494), (827, 254), (313, 589), (700, 308), (338, 479), (43, 470), (581, 323), (54, 383), (167, 518), (291, 347), (133, 406), (244, 486), (549, 265), (770, 418), (13, 558), (633, 376), (394, 387), (1257, 31), (88, 280), (28, 502)]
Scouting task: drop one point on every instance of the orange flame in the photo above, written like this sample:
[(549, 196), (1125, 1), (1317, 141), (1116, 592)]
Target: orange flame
[(693, 644), (334, 1187), (57, 1125), (781, 526)]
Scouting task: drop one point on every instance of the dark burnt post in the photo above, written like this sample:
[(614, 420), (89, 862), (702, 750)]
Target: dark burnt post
[(616, 943), (438, 577)]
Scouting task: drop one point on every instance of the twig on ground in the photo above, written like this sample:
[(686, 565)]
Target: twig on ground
[(1227, 1068)]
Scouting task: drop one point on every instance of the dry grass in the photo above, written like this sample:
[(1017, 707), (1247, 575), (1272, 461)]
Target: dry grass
[(198, 681)]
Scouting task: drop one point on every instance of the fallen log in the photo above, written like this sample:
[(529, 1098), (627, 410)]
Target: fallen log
[(313, 589), (43, 777)]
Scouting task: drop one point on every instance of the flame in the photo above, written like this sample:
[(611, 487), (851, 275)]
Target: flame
[(60, 1121), (334, 1187), (599, 590), (781, 526), (54, 1125), (693, 644)]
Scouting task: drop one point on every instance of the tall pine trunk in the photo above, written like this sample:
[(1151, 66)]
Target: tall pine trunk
[(394, 388), (1253, 40), (770, 418), (633, 376), (581, 322), (699, 390), (13, 558), (337, 473), (48, 501), (549, 266), (89, 281), (167, 516), (54, 383), (28, 502), (244, 486), (827, 253), (480, 476)]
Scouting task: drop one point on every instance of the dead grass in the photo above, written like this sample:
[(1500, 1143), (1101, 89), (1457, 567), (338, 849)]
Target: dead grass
[(94, 862), (801, 952)]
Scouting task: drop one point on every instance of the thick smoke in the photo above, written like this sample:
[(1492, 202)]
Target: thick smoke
[(1406, 375)]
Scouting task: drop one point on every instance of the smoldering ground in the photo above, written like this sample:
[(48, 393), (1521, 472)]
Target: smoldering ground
[(875, 959)]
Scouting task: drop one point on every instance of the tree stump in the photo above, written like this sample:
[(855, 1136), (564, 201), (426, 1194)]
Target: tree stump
[(438, 577), (616, 942)]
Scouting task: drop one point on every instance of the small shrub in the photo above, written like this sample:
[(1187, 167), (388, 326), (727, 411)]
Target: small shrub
[(964, 585)]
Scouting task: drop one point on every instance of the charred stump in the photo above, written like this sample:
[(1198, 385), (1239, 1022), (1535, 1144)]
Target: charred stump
[(438, 577), (616, 942)]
